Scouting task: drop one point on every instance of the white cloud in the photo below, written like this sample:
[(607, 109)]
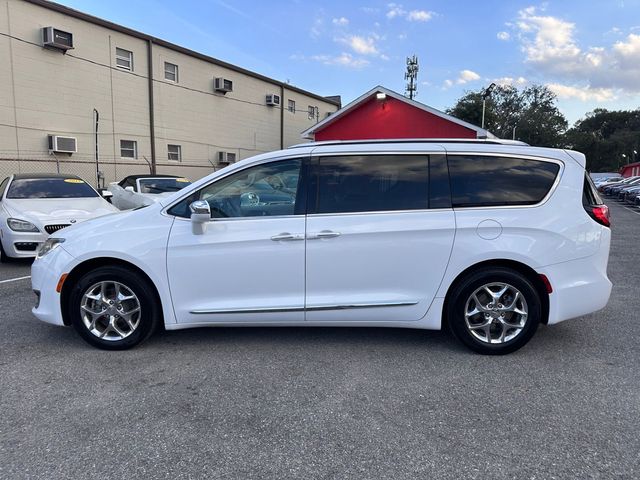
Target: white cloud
[(419, 16), (516, 82), (549, 44), (582, 93), (504, 36), (395, 10), (447, 84), (343, 60), (316, 29), (340, 22), (361, 45), (467, 76)]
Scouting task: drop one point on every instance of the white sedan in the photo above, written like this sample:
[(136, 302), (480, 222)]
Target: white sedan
[(32, 206), (137, 191)]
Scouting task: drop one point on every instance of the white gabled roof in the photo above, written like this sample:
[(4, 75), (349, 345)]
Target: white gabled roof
[(480, 132)]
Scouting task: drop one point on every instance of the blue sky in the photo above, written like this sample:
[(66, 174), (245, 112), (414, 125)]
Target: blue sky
[(587, 51)]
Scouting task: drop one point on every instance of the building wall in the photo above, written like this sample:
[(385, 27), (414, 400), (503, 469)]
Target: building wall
[(630, 170), (44, 92), (391, 118)]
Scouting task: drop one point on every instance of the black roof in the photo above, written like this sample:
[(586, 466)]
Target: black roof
[(21, 176), (148, 175)]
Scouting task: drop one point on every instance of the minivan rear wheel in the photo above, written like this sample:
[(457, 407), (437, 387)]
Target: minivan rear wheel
[(113, 308), (494, 311)]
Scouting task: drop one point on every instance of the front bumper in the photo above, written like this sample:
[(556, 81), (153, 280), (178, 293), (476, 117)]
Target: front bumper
[(45, 275), (21, 244)]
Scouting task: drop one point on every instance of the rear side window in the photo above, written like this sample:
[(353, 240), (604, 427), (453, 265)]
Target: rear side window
[(488, 181), (369, 183), (590, 193)]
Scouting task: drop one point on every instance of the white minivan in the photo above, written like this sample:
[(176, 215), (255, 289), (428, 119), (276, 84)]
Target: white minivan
[(491, 238)]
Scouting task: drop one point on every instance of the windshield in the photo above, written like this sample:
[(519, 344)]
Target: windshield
[(162, 185), (24, 188)]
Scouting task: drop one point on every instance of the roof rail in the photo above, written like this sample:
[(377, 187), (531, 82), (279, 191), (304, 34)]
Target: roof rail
[(487, 141)]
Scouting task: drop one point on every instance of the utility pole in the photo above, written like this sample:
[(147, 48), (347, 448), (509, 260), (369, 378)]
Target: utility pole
[(411, 77), (486, 94), (98, 172)]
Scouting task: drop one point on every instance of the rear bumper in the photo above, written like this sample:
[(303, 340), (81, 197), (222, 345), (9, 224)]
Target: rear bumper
[(580, 287)]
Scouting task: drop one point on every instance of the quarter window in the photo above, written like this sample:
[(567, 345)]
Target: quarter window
[(124, 59), (174, 153), (362, 183), (264, 190), (171, 72), (128, 149), (488, 181)]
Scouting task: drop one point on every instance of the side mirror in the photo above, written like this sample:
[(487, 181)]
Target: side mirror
[(130, 189), (107, 195), (200, 216)]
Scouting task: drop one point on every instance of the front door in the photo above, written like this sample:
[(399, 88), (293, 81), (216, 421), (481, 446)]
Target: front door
[(248, 265), (376, 251)]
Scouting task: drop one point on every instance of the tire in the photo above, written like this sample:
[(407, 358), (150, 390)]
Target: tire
[(109, 321), (475, 311)]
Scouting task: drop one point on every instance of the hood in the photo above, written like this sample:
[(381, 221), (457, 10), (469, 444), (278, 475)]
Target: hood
[(41, 211)]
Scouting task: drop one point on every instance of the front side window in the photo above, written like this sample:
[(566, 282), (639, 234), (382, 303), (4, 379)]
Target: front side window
[(171, 72), (264, 190), (489, 181), (162, 185), (124, 59), (59, 187), (174, 153), (370, 183), (128, 149)]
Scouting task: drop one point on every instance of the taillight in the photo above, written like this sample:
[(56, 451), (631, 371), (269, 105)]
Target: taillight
[(600, 213)]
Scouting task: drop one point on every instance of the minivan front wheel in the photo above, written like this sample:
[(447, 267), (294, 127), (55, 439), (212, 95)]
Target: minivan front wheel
[(494, 311), (113, 308)]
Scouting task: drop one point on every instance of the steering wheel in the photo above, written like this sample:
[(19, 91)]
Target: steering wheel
[(249, 199)]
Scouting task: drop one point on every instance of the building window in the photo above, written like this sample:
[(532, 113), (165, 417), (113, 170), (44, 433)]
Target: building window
[(124, 59), (312, 112), (175, 152), (292, 106), (171, 72), (128, 149)]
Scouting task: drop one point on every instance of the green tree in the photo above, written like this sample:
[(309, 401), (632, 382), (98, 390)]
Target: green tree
[(605, 136), (530, 113)]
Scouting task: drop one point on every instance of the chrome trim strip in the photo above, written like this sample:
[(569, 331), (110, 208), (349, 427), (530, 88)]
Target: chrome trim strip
[(300, 309)]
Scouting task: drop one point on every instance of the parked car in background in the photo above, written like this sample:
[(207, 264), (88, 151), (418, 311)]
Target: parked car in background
[(628, 195), (32, 206), (603, 180), (137, 191), (490, 238), (607, 187), (614, 190)]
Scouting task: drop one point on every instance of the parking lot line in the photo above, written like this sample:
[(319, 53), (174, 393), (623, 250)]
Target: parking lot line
[(15, 279)]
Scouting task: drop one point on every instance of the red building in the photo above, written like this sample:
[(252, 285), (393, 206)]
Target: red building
[(629, 170), (382, 113)]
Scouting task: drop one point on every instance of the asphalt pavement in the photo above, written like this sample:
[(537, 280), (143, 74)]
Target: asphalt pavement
[(324, 403)]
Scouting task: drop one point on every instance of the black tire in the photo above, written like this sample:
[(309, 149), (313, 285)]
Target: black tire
[(462, 293), (147, 320)]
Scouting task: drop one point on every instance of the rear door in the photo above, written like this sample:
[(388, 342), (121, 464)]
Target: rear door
[(379, 236)]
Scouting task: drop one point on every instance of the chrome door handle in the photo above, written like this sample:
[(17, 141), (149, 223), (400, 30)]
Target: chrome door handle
[(286, 236), (323, 234)]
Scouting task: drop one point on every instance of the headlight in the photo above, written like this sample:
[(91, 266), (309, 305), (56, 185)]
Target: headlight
[(21, 225), (49, 245)]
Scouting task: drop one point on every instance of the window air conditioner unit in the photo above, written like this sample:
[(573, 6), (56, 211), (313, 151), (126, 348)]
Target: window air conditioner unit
[(273, 100), (226, 157), (54, 38), (60, 144), (222, 85)]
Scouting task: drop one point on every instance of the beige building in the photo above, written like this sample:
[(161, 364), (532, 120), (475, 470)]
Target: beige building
[(158, 106)]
